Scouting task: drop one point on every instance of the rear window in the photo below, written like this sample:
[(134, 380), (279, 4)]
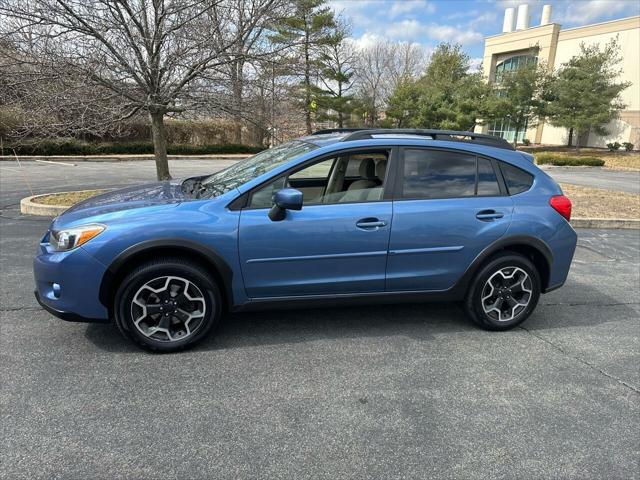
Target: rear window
[(517, 180)]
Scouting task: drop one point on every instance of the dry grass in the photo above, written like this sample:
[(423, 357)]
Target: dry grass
[(624, 161), (619, 160), (67, 198), (599, 203)]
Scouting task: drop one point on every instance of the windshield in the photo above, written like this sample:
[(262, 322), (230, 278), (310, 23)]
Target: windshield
[(232, 177)]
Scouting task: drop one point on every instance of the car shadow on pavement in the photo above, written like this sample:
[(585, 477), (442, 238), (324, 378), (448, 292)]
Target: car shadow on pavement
[(417, 321)]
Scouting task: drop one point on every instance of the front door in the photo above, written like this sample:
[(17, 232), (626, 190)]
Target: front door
[(336, 244), (448, 207)]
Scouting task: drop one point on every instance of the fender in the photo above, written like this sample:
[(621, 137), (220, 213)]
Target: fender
[(460, 288), (185, 246)]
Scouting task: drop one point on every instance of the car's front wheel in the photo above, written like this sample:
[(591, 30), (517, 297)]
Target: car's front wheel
[(167, 304), (504, 292)]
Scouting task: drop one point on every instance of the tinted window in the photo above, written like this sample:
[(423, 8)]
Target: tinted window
[(487, 181), (434, 174), (317, 170), (262, 198), (517, 180)]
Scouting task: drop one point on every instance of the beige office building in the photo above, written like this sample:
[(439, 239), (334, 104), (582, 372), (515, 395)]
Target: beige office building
[(555, 46)]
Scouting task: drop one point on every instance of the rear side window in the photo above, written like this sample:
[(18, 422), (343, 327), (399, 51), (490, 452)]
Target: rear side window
[(440, 174), (436, 174), (517, 180)]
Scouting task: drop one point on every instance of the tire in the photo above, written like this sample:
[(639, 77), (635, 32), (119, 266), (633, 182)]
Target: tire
[(167, 305), (509, 303)]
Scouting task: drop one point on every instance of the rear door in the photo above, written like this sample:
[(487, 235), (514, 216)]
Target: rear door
[(448, 206)]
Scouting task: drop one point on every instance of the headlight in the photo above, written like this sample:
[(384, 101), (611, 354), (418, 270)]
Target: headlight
[(69, 238)]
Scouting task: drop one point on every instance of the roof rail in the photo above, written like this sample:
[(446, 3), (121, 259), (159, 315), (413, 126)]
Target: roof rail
[(336, 130), (449, 135)]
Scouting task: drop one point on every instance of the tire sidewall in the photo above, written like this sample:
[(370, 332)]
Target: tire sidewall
[(474, 302), (138, 278)]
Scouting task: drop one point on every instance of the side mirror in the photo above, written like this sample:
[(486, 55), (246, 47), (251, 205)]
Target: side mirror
[(283, 200)]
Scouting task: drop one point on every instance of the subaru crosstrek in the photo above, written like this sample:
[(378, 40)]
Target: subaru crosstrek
[(335, 218)]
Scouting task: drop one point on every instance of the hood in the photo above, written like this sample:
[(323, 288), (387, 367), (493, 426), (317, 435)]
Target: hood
[(152, 194)]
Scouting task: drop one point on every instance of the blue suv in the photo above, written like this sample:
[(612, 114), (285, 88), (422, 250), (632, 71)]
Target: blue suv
[(340, 217)]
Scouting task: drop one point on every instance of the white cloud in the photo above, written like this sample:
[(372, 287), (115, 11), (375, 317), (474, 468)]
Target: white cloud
[(402, 7), (483, 19), (448, 33), (475, 64), (416, 31), (366, 40), (584, 12), (577, 12)]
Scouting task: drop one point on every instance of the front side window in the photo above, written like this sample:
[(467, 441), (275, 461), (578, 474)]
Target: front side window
[(349, 177), (442, 174), (232, 177)]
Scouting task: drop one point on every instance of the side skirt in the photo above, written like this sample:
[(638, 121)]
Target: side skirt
[(347, 299)]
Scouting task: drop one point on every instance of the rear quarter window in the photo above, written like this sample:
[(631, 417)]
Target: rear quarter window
[(517, 180)]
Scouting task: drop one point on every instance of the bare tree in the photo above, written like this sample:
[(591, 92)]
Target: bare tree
[(147, 53), (381, 67)]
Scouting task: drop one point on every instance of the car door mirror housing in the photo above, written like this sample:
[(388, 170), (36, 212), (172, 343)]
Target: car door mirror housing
[(283, 200)]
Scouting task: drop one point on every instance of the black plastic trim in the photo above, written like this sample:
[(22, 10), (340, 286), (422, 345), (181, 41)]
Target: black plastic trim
[(185, 246), (350, 299), (68, 316)]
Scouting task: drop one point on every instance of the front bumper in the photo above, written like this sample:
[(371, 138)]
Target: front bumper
[(68, 284), (67, 316)]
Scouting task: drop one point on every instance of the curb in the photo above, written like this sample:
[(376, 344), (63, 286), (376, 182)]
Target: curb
[(608, 223), (119, 158), (28, 206)]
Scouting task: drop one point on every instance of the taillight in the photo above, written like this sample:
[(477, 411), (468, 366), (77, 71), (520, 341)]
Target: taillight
[(562, 205)]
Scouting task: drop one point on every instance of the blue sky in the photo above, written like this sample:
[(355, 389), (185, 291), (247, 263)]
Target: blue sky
[(429, 22)]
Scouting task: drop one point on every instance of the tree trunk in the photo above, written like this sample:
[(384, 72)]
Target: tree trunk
[(160, 145), (570, 137), (577, 133), (307, 86), (515, 138), (237, 87)]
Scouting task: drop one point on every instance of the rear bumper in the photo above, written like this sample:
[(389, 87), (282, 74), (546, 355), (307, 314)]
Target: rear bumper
[(67, 316)]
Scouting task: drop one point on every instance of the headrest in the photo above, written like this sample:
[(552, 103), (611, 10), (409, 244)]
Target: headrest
[(367, 169), (381, 169)]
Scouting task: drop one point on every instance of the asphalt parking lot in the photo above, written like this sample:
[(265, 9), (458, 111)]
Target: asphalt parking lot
[(409, 391)]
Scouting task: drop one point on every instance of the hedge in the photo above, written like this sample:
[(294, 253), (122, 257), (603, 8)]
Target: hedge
[(76, 147), (566, 161)]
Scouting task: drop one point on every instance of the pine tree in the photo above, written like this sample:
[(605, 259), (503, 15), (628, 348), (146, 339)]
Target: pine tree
[(336, 75), (584, 95), (308, 29), (518, 97), (447, 96)]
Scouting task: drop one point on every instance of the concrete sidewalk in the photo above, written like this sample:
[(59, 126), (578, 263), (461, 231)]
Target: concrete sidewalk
[(117, 158)]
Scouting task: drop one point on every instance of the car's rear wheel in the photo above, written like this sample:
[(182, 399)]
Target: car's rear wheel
[(167, 304), (504, 292)]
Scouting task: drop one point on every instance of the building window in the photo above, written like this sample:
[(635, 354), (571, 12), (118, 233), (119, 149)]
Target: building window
[(503, 128), (513, 63)]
